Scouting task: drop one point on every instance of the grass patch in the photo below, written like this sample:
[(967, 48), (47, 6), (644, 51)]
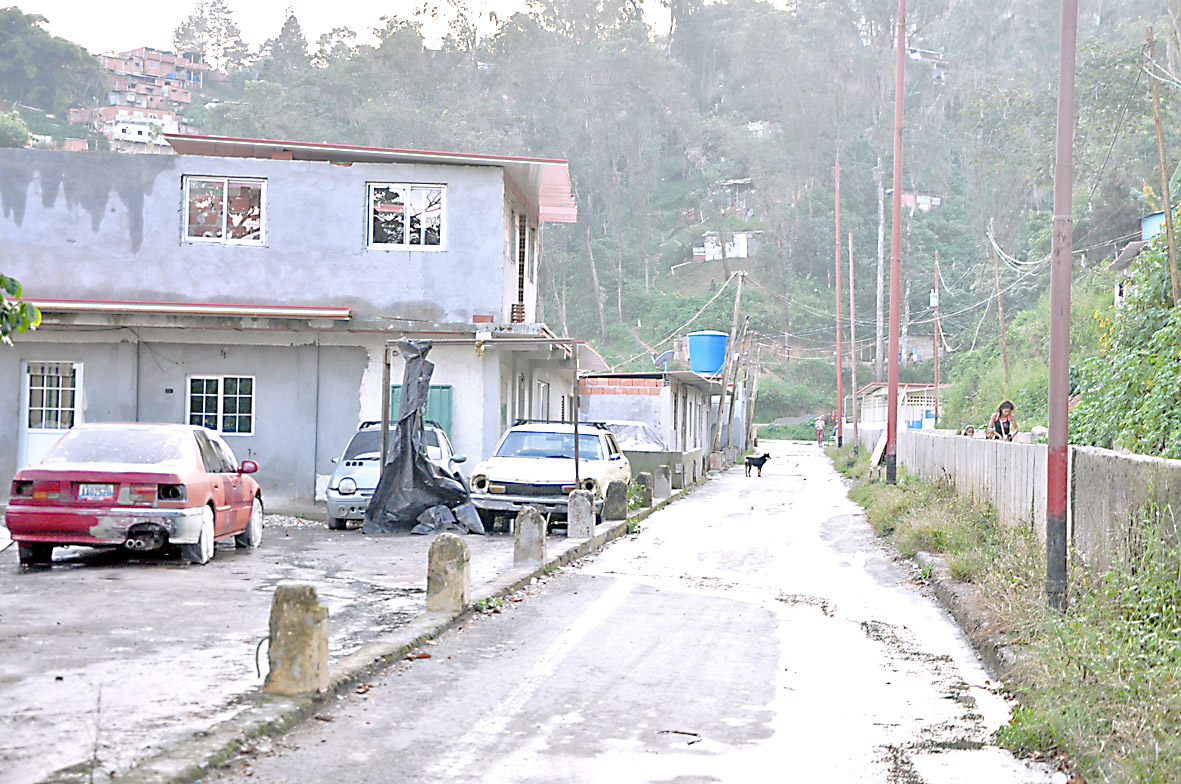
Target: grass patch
[(1100, 683), (801, 431)]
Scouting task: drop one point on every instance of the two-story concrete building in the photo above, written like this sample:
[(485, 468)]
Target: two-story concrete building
[(250, 286)]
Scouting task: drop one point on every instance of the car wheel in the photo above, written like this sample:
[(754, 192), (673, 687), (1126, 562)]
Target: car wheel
[(337, 523), (252, 536), (35, 553), (201, 551)]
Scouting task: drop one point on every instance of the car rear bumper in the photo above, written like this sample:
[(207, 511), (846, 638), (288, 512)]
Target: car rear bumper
[(490, 502), (96, 527)]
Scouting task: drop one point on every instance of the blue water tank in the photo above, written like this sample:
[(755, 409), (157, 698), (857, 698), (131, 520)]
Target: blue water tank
[(707, 351)]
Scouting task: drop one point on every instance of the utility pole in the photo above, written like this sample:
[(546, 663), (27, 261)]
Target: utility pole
[(1061, 241), (879, 346), (853, 351), (743, 356), (1164, 174), (1000, 308), (840, 370), (752, 395), (717, 435), (896, 255), (935, 305)]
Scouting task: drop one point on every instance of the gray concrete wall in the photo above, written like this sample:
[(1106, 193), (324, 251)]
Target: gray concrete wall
[(1111, 494), (109, 226), (638, 408), (1114, 494), (1010, 476)]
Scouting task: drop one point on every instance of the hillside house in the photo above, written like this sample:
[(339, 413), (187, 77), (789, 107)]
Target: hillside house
[(916, 405), (250, 286)]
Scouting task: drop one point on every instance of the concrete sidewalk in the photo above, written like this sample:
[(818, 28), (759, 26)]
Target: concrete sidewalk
[(190, 695)]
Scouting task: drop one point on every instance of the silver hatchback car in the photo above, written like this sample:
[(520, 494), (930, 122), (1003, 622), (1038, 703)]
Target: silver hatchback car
[(359, 468)]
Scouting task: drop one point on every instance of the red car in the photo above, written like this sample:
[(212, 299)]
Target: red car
[(138, 486)]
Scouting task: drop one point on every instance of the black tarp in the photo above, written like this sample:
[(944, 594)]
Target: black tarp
[(413, 491)]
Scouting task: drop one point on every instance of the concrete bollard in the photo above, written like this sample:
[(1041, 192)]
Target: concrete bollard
[(663, 482), (580, 515), (644, 480), (298, 653), (615, 501), (679, 479), (448, 583), (529, 545)]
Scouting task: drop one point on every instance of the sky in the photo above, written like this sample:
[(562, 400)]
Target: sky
[(107, 27)]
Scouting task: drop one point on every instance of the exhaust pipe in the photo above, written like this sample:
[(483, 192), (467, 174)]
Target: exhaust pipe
[(145, 538)]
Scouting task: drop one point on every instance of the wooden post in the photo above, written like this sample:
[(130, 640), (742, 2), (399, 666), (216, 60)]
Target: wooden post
[(1166, 197), (1000, 310), (717, 434), (575, 406), (734, 383), (752, 394), (385, 404)]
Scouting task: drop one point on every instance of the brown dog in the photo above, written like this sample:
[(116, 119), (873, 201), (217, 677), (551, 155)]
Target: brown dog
[(756, 462)]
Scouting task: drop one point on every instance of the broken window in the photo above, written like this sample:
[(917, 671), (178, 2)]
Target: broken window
[(405, 215), (224, 404), (224, 210)]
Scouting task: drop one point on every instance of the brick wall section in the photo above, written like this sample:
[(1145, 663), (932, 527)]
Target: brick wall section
[(610, 385)]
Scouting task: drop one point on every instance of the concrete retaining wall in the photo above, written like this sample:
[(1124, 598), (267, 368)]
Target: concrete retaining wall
[(1109, 491), (1010, 476)]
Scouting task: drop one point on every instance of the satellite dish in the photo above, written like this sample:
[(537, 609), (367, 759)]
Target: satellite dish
[(663, 359)]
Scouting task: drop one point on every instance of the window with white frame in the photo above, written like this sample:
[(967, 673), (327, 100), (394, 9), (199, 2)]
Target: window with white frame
[(224, 404), (406, 216), (224, 210), (52, 390)]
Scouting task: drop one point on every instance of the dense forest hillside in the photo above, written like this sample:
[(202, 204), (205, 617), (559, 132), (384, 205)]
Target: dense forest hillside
[(723, 130)]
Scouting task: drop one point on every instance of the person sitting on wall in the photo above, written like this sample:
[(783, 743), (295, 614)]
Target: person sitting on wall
[(1002, 425)]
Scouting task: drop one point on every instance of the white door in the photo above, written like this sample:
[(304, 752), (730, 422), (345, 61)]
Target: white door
[(51, 403)]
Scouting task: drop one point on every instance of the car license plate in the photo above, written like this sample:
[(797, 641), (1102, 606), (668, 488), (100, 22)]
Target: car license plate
[(96, 492)]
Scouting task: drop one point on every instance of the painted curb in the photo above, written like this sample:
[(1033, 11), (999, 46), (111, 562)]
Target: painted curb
[(264, 714)]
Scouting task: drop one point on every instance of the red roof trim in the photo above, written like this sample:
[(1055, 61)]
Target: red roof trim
[(328, 311)]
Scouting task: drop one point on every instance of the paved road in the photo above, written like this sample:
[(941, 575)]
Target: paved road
[(754, 631), (141, 652)]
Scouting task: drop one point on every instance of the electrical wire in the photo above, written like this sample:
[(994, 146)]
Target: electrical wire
[(677, 331)]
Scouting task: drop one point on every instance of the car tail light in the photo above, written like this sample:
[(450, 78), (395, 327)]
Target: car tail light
[(21, 488), (174, 492), (142, 493), (47, 490)]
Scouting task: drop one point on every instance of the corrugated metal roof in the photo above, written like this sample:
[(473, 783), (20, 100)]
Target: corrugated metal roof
[(545, 180)]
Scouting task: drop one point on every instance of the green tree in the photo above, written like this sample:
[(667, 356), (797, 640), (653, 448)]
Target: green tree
[(13, 131), (41, 70), (15, 316), (211, 34)]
